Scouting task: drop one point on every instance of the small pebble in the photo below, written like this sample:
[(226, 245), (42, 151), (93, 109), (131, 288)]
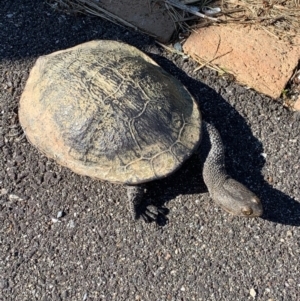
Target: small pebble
[(252, 293), (60, 214), (211, 10), (178, 47), (14, 197), (3, 191), (71, 224), (54, 220)]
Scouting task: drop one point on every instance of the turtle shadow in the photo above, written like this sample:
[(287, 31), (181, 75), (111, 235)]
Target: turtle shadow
[(243, 158), (278, 207), (51, 30)]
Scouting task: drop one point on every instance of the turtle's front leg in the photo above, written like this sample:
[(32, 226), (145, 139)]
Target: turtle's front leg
[(135, 196), (138, 206)]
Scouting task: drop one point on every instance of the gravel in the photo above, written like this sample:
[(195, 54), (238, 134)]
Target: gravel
[(67, 237)]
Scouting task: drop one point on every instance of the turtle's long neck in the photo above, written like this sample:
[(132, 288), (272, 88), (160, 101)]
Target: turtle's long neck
[(231, 195), (212, 154)]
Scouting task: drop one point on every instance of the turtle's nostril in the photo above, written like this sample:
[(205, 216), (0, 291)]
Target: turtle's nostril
[(247, 211)]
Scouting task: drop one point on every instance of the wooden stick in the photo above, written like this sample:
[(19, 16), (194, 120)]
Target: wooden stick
[(186, 8)]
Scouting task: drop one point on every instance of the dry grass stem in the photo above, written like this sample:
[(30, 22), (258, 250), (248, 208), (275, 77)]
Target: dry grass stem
[(91, 7), (178, 11), (280, 18), (172, 50), (189, 9), (209, 64)]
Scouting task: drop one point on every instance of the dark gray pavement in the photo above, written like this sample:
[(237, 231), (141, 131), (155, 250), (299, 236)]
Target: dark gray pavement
[(94, 251)]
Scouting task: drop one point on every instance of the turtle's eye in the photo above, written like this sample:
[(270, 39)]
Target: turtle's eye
[(247, 211)]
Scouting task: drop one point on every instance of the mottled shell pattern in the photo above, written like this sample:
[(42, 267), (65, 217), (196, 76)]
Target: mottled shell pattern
[(106, 110)]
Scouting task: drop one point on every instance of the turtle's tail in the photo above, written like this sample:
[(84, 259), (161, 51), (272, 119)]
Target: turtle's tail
[(231, 195)]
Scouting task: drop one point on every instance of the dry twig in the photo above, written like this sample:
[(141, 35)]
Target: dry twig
[(279, 18), (189, 9)]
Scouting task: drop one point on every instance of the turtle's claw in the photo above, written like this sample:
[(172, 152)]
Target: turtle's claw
[(146, 210), (156, 214)]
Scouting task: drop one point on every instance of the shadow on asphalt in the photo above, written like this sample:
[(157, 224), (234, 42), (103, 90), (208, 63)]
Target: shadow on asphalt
[(243, 151), (28, 33), (244, 161)]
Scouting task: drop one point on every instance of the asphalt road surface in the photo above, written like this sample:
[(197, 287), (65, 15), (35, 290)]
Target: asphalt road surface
[(68, 237)]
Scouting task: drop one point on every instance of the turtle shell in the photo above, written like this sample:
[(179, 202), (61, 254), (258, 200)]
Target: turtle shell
[(106, 110)]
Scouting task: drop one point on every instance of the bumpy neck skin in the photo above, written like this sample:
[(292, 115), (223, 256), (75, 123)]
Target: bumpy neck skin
[(212, 150), (231, 195)]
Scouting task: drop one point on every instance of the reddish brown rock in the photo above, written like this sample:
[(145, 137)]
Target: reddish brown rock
[(257, 59)]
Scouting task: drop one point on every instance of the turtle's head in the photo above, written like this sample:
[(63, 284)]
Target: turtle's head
[(238, 200)]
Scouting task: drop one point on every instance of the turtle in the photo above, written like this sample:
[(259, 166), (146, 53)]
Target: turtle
[(106, 110)]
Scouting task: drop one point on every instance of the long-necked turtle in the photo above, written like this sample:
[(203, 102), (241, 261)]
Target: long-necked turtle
[(106, 110)]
